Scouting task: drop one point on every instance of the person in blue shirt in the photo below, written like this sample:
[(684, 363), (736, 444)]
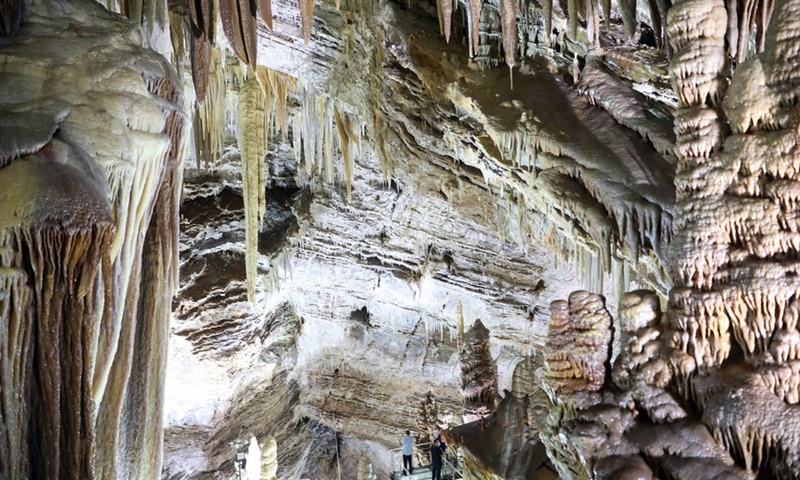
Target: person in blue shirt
[(408, 450)]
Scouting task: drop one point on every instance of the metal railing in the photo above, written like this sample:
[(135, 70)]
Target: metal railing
[(451, 461)]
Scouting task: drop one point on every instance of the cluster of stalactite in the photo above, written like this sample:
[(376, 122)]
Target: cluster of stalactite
[(88, 248)]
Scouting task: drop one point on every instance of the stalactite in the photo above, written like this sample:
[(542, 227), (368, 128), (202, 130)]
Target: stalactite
[(239, 24), (440, 16), (627, 8), (143, 410), (252, 137), (209, 117), (508, 13), (346, 142), (265, 12), (474, 26), (15, 364), (247, 13), (572, 18), (547, 13), (10, 16), (606, 6), (60, 247), (447, 18), (307, 18), (99, 175), (200, 54)]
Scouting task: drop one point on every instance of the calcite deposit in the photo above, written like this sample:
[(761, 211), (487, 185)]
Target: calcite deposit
[(383, 198)]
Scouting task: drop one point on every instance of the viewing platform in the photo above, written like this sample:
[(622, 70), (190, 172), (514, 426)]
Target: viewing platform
[(451, 464)]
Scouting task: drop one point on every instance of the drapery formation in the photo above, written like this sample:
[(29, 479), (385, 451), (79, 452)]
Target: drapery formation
[(88, 236)]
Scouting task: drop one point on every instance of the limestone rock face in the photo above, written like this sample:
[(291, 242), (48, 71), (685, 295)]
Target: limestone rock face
[(365, 186)]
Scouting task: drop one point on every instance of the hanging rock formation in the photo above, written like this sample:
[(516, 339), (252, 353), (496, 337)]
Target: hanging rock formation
[(91, 158)]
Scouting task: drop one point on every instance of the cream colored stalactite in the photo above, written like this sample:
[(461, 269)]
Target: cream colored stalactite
[(349, 138), (134, 178), (140, 455), (252, 137), (474, 13), (319, 129), (209, 119), (118, 137), (269, 458)]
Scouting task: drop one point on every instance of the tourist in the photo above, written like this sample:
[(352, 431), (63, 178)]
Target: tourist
[(408, 450), (436, 461)]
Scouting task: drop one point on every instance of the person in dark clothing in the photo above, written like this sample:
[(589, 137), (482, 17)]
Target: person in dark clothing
[(442, 445), (436, 461)]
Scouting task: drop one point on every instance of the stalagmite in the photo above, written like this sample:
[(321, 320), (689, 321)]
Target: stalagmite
[(578, 342), (269, 458), (428, 420), (365, 469), (478, 373)]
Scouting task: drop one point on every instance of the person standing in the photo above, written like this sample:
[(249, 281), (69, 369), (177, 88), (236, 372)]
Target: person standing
[(408, 451), (436, 461)]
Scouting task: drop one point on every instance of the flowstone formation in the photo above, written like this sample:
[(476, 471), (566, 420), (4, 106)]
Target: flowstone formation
[(90, 170), (478, 374), (632, 426)]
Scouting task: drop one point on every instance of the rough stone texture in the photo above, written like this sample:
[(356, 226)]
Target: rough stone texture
[(454, 198)]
